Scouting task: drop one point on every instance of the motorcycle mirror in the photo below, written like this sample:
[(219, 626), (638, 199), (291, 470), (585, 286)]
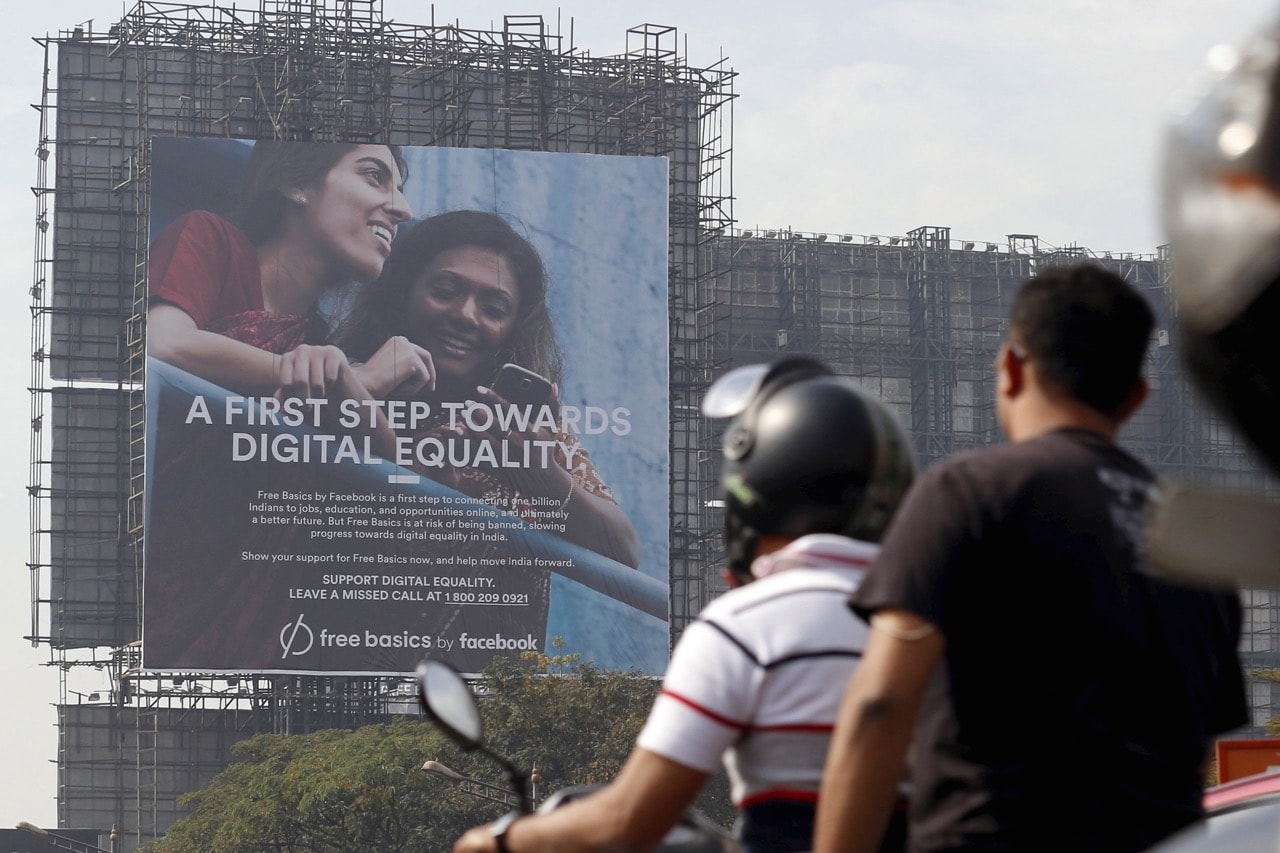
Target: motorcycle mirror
[(730, 394), (448, 701), (450, 704)]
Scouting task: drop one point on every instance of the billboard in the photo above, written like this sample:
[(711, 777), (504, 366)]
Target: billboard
[(404, 402)]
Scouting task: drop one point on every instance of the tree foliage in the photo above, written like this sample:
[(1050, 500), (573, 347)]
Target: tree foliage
[(330, 791), (364, 790)]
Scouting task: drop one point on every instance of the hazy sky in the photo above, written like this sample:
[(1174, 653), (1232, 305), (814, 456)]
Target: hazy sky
[(991, 117)]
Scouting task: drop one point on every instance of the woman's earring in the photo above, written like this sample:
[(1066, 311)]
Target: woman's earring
[(300, 199)]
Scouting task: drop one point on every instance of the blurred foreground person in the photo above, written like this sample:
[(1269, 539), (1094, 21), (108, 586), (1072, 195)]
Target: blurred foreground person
[(1222, 218), (1061, 697), (813, 470)]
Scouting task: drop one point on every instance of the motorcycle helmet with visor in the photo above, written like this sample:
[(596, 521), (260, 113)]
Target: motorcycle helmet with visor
[(806, 452)]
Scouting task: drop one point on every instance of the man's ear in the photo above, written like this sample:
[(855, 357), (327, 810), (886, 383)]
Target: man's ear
[(730, 578), (1010, 369), (1135, 399)]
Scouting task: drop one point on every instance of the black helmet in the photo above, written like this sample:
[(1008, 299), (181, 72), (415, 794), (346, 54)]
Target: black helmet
[(808, 452), (1222, 215)]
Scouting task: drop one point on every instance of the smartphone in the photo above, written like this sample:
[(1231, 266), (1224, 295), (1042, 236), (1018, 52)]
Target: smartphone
[(522, 387)]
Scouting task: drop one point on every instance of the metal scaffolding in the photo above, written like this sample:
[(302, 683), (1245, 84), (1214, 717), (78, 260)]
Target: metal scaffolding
[(918, 320), (933, 368), (322, 70)]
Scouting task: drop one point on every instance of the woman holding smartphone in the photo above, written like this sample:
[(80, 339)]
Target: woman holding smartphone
[(460, 297)]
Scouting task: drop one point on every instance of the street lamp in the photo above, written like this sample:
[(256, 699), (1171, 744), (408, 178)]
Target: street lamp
[(69, 843), (483, 790)]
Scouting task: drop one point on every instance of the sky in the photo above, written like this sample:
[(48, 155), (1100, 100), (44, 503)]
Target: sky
[(990, 117)]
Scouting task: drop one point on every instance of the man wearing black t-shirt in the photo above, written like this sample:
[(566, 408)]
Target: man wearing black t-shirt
[(1060, 696)]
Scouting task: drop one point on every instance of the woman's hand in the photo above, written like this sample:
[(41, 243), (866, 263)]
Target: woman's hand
[(323, 373), (585, 515), (535, 479), (310, 372), (399, 369)]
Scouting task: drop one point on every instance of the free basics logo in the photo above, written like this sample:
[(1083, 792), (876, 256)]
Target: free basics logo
[(296, 638)]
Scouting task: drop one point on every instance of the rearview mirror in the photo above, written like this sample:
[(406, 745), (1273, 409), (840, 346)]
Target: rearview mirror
[(447, 700)]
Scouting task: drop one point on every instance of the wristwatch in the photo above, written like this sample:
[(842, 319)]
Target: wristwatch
[(499, 830)]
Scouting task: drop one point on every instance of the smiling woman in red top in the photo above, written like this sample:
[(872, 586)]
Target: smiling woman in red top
[(226, 301)]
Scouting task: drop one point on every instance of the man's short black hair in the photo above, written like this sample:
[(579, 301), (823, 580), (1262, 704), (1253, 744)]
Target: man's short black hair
[(1087, 330)]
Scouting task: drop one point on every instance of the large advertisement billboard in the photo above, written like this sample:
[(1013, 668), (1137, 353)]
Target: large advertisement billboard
[(404, 402)]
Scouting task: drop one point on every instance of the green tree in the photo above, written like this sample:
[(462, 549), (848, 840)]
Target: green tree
[(365, 789), (574, 722), (331, 791)]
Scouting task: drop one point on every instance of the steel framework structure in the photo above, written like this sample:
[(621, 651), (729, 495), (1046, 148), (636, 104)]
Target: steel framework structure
[(324, 70), (918, 319)]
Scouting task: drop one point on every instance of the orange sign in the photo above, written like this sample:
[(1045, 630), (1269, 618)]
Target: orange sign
[(1240, 758)]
